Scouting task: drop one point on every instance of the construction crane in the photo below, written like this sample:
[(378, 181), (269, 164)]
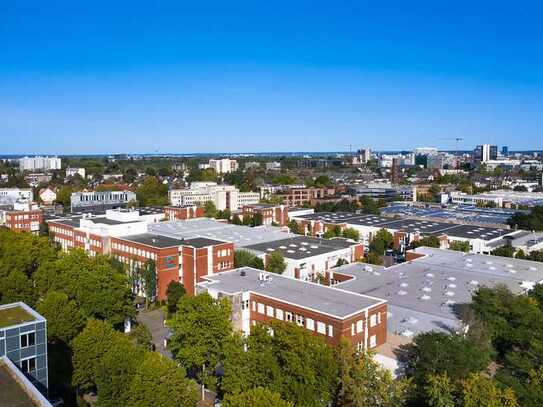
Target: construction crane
[(456, 139)]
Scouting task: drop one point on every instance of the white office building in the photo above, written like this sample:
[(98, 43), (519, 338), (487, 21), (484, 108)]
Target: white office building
[(223, 196)]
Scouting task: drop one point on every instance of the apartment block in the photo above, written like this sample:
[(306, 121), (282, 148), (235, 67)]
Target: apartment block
[(39, 163), (23, 340), (303, 196), (331, 313), (11, 195)]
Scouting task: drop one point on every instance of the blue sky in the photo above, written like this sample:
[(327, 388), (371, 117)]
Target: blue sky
[(171, 77)]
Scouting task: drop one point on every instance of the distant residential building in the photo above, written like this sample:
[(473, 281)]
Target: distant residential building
[(100, 200), (223, 196), (23, 340), (39, 163), (48, 196), (10, 195), (269, 189), (505, 151), (71, 172), (224, 165), (425, 150), (36, 179), (252, 164), (320, 162), (434, 161), (273, 166), (484, 153)]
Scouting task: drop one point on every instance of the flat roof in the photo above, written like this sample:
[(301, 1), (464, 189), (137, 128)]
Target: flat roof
[(301, 247), (159, 241), (12, 392), (241, 236), (462, 213), (15, 314), (410, 225), (421, 293), (326, 300)]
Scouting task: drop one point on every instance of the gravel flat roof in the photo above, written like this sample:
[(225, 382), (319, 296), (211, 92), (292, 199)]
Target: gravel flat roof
[(327, 300)]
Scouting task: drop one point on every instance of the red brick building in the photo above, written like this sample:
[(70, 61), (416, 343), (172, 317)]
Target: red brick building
[(180, 260), (259, 297), (183, 212), (24, 220), (302, 196), (271, 214)]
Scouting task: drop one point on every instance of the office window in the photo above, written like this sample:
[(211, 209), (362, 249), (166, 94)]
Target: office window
[(321, 327), (288, 316), (28, 339), (269, 311), (373, 320), (330, 330), (378, 318), (254, 306), (353, 332), (279, 314), (300, 320), (245, 305), (359, 346), (359, 326), (310, 324), (373, 341), (28, 365), (260, 308)]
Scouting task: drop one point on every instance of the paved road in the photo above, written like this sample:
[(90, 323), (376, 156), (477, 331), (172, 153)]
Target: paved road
[(154, 321)]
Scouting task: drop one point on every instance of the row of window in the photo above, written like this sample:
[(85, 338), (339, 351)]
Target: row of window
[(224, 252), (24, 216), (287, 316), (132, 250), (56, 229), (358, 326)]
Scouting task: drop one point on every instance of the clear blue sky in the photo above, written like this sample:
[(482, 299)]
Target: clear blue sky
[(141, 76)]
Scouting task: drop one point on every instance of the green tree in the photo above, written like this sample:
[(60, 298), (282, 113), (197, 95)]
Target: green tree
[(141, 337), (199, 330), (174, 292), (363, 383), (257, 396), (441, 353), (16, 286), (152, 193), (210, 210), (504, 251), (275, 263), (291, 361), (382, 240), (481, 391), (351, 233), (459, 246), (439, 391), (64, 320), (429, 241), (159, 382), (244, 258), (149, 278), (115, 369), (89, 347), (294, 227)]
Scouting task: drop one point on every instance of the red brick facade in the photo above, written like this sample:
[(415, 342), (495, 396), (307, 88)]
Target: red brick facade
[(183, 212), (366, 329), (270, 214), (24, 221)]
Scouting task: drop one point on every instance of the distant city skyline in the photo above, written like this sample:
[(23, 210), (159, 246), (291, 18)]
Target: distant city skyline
[(250, 77)]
